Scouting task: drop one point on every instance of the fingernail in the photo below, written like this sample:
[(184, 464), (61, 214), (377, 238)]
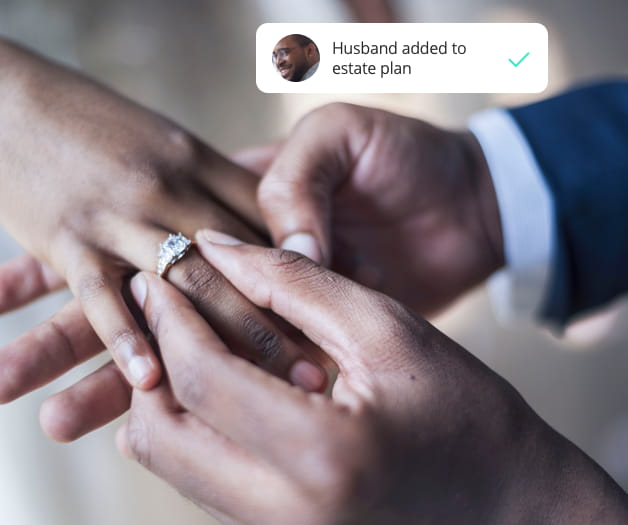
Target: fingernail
[(140, 368), (305, 244), (217, 237), (138, 289), (308, 376)]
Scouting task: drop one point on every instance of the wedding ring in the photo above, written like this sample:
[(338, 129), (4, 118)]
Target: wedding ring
[(173, 249)]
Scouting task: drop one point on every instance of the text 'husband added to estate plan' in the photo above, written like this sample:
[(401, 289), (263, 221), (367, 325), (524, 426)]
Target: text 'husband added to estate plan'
[(407, 58)]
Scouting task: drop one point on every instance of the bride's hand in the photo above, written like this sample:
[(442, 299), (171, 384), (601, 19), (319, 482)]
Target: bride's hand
[(92, 183)]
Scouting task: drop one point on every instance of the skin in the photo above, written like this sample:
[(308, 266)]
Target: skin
[(410, 407), (392, 202), (372, 11), (416, 430), (109, 180), (298, 58), (423, 229)]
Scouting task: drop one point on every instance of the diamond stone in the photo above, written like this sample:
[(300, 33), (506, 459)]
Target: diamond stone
[(171, 250)]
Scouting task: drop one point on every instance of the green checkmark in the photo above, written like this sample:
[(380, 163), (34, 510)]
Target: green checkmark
[(516, 64)]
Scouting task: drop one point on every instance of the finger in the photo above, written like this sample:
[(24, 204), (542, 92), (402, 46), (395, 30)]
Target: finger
[(25, 279), (87, 405), (249, 332), (124, 447), (257, 159), (225, 391), (344, 318), (138, 243), (199, 210), (373, 11), (46, 352), (201, 463), (233, 186), (99, 289), (122, 442), (295, 196)]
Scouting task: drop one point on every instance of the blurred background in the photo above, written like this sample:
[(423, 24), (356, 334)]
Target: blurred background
[(193, 60)]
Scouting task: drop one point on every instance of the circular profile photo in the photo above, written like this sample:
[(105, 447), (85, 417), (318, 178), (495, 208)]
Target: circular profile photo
[(296, 57)]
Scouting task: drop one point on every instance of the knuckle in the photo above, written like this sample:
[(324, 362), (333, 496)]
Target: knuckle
[(139, 438), (266, 345), (292, 264), (332, 111), (391, 314), (199, 280), (405, 332), (271, 188), (59, 340), (341, 461), (389, 309), (184, 146), (185, 151), (333, 117), (92, 286), (54, 420), (145, 175), (293, 269), (333, 472), (150, 179), (327, 115), (80, 223), (11, 379), (279, 189), (153, 172), (333, 108), (121, 339), (189, 385)]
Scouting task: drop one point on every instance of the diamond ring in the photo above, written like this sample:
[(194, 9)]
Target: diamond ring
[(170, 251)]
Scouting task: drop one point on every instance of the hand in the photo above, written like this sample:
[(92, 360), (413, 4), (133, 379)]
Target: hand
[(390, 201), (91, 185), (417, 430)]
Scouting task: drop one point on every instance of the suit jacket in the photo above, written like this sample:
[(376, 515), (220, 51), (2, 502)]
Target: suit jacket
[(580, 141)]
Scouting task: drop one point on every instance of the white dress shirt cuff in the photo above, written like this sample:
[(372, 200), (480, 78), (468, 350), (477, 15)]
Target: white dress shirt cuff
[(526, 210)]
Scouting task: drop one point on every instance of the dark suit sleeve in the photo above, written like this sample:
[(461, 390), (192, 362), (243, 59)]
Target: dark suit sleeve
[(580, 141)]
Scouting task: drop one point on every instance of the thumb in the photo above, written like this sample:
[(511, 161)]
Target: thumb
[(296, 194)]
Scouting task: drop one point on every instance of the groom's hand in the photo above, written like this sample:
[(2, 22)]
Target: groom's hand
[(417, 430), (393, 202)]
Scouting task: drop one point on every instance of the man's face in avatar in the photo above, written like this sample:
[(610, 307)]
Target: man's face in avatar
[(291, 59)]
